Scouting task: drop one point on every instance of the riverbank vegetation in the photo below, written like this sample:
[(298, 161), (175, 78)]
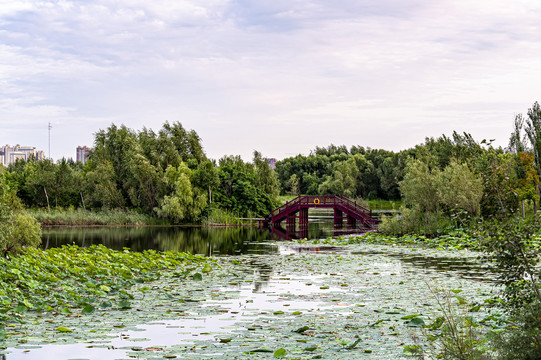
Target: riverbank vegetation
[(80, 217)]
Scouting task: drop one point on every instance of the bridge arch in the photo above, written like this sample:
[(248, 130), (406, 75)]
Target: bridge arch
[(297, 209)]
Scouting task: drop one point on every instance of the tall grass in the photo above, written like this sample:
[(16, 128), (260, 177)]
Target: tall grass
[(80, 217), (222, 217)]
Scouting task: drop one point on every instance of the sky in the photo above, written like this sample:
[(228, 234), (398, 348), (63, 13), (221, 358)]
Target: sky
[(277, 76)]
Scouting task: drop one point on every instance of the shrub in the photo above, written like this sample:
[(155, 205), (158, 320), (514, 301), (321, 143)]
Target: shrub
[(26, 232), (522, 338)]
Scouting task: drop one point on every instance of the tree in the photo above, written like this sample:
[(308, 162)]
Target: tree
[(343, 179), (266, 177), (186, 202), (459, 188), (206, 177), (294, 185), (528, 179), (533, 132), (418, 187)]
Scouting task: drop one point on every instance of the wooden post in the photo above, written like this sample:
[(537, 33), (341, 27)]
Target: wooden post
[(338, 223)]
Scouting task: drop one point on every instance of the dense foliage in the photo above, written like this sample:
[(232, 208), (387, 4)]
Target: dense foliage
[(17, 228), (164, 174)]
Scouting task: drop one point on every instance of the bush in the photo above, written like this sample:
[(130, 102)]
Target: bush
[(17, 229), (411, 221), (26, 232), (522, 338)]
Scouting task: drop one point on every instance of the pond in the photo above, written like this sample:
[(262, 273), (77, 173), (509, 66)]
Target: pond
[(203, 240), (312, 301)]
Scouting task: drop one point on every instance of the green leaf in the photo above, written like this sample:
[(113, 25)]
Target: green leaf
[(352, 346), (412, 349), (106, 304), (124, 304), (407, 317), (65, 311), (197, 277), (206, 269), (280, 353), (416, 322), (21, 308), (63, 329), (301, 329), (88, 309), (437, 323)]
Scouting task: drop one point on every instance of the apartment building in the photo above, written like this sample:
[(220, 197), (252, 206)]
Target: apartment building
[(83, 152), (9, 155)]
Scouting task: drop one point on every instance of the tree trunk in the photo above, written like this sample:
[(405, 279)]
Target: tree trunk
[(523, 212), (83, 201), (47, 196)]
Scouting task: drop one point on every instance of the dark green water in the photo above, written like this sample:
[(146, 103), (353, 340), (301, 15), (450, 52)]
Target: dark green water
[(195, 240)]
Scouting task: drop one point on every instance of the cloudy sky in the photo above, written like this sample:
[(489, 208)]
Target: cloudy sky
[(278, 76)]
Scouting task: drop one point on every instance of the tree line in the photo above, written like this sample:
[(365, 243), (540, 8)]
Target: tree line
[(167, 174)]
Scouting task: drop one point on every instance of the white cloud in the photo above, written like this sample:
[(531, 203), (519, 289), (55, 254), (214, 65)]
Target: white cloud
[(301, 72)]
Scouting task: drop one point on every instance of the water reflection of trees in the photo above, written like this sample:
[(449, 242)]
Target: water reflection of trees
[(196, 240), (263, 272)]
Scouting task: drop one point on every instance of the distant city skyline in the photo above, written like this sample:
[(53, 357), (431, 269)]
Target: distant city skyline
[(280, 77), (10, 154)]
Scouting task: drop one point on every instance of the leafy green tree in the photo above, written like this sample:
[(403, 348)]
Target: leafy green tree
[(187, 202), (266, 177), (418, 188), (343, 180), (239, 191), (533, 132), (294, 185), (205, 176), (459, 188), (102, 186), (498, 173)]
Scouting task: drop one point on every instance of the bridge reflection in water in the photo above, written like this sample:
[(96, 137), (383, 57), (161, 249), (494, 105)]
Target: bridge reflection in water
[(295, 213)]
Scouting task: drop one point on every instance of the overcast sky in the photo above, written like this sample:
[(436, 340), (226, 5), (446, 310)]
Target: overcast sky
[(278, 76)]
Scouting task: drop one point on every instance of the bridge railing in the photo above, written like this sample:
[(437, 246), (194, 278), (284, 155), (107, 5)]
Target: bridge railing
[(322, 201), (353, 205), (285, 207)]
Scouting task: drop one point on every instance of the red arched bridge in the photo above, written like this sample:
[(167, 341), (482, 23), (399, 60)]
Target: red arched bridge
[(297, 208)]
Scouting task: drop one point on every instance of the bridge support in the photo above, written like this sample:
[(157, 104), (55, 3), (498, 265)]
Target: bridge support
[(338, 216), (352, 222), (303, 223), (290, 223)]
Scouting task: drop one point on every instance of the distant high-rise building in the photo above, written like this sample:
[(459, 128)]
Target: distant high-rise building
[(9, 155), (83, 152)]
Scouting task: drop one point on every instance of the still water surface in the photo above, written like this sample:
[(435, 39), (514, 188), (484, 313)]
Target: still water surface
[(201, 240)]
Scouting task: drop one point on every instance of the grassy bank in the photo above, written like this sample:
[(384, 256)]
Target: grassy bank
[(79, 217)]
